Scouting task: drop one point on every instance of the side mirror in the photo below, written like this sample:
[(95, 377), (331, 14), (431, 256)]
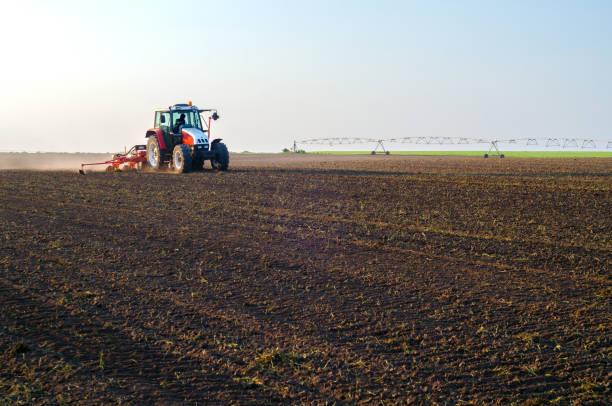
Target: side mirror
[(215, 116), (162, 119)]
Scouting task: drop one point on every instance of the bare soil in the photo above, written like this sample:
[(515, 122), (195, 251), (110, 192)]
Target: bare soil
[(309, 279)]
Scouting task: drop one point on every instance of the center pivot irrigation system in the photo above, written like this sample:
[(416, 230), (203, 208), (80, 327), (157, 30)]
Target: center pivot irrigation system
[(494, 145)]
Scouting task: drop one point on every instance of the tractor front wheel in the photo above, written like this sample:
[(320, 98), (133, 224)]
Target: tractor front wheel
[(154, 155), (181, 158), (221, 159)]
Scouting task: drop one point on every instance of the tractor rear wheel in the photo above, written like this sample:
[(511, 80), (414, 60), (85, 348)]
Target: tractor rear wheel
[(154, 154), (221, 159), (181, 158)]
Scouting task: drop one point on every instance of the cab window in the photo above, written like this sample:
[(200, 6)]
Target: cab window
[(196, 121), (177, 114), (158, 121)]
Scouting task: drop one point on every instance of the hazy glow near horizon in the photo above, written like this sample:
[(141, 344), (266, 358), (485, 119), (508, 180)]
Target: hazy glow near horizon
[(86, 75)]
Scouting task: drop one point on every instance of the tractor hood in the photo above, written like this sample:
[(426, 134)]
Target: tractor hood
[(199, 136)]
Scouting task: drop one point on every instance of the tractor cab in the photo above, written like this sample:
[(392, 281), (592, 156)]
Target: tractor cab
[(173, 121)]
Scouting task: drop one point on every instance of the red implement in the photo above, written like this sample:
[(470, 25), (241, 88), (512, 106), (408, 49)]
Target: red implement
[(135, 158)]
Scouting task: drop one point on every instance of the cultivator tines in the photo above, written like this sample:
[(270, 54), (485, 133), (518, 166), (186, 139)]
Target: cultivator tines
[(133, 159)]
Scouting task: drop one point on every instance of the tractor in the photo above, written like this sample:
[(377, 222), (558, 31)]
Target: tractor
[(179, 139)]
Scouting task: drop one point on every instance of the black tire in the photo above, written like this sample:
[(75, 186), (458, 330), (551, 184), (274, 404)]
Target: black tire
[(386, 152), (181, 159), (501, 156), (373, 152), (221, 159), (154, 153), (486, 155)]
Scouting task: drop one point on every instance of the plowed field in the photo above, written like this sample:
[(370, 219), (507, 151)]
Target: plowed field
[(309, 279)]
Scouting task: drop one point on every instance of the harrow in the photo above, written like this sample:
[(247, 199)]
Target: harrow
[(131, 160)]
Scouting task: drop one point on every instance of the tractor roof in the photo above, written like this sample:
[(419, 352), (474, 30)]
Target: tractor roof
[(183, 107)]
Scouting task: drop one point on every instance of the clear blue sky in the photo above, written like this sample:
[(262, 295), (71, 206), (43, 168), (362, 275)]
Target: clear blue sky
[(86, 76)]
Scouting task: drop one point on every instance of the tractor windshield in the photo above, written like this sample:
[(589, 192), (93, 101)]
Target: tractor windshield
[(192, 119)]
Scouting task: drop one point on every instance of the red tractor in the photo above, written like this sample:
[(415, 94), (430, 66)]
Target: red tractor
[(179, 139)]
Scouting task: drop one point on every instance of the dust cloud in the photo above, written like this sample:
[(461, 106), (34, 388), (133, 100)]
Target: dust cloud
[(51, 161)]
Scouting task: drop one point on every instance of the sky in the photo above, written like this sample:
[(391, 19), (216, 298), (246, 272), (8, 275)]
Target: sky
[(87, 75)]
